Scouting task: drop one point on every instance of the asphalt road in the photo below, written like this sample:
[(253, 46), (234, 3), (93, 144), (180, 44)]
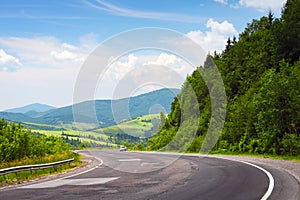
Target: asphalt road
[(128, 175)]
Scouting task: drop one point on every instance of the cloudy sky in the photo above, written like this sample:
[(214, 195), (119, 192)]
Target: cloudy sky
[(43, 44)]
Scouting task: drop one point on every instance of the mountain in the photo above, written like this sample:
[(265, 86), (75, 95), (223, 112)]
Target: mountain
[(36, 107), (108, 112), (17, 117)]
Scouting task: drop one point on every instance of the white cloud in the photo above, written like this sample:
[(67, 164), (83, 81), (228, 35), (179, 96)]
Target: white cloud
[(47, 51), (263, 5), (120, 11), (88, 42), (118, 69), (214, 39), (45, 85), (222, 28), (165, 59), (221, 1), (121, 67), (68, 46), (143, 66), (66, 55), (8, 62), (47, 69)]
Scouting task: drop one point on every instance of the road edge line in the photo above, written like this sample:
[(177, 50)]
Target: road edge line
[(269, 175), (271, 180), (86, 171), (72, 175)]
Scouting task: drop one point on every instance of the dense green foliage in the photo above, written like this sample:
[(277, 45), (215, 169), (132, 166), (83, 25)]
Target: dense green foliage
[(261, 74), (17, 143)]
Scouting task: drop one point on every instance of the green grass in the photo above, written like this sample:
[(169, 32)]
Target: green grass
[(51, 130), (31, 125), (83, 136), (71, 132), (136, 127), (229, 153), (40, 160), (281, 157)]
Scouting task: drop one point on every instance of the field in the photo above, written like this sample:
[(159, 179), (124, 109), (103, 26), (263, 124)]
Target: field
[(138, 127), (89, 137), (68, 132)]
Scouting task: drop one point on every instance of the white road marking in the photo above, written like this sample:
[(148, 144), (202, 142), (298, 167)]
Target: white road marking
[(270, 177), (129, 160), (147, 164), (271, 180), (64, 178), (61, 182)]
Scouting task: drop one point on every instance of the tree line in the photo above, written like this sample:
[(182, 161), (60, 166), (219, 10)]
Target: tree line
[(261, 75), (18, 143)]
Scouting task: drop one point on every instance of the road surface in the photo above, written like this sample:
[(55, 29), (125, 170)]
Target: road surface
[(131, 175)]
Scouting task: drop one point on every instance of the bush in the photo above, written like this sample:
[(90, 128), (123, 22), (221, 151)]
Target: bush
[(17, 143)]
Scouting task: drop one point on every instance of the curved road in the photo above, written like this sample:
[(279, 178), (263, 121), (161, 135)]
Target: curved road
[(129, 175)]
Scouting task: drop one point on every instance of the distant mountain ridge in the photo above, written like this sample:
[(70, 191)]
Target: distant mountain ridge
[(35, 107), (123, 109)]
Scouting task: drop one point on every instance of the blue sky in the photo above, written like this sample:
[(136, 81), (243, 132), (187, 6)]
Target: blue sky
[(44, 43)]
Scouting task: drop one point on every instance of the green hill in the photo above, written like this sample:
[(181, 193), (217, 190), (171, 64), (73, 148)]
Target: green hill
[(129, 130), (36, 107), (139, 127), (125, 109), (132, 131)]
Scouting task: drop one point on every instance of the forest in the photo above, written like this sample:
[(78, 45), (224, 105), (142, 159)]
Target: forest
[(17, 143), (261, 75)]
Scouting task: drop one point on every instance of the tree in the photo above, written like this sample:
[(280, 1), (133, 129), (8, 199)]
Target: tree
[(260, 71), (289, 45), (17, 143)]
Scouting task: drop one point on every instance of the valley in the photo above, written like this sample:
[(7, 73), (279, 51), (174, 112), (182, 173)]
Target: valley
[(59, 122)]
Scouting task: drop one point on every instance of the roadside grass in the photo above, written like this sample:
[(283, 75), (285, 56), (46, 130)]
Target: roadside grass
[(229, 153), (277, 157), (39, 160), (28, 175)]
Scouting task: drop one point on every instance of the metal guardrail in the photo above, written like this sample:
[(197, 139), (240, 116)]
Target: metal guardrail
[(33, 167)]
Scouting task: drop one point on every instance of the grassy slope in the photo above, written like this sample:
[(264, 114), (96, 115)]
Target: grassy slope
[(28, 175), (84, 136), (136, 127)]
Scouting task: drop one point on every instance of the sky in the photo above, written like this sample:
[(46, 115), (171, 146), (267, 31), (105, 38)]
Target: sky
[(43, 44)]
